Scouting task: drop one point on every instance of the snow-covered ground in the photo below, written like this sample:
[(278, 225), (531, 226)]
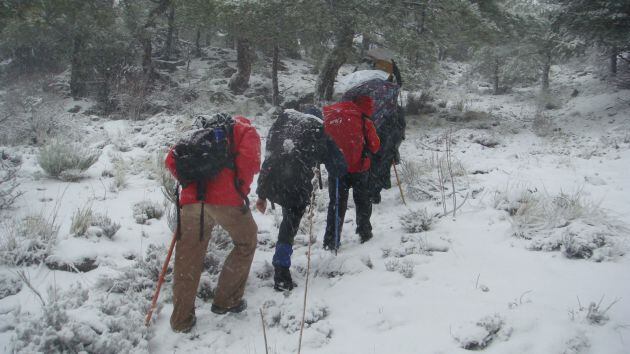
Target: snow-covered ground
[(504, 273)]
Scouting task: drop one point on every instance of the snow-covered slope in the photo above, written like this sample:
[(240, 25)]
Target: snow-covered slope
[(455, 282)]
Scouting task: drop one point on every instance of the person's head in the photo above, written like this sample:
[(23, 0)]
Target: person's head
[(365, 104)]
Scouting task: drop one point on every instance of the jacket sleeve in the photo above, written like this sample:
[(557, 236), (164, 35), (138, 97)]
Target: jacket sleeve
[(374, 143), (263, 181), (247, 155), (333, 158), (170, 163)]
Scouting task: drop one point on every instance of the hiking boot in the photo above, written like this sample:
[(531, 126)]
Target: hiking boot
[(366, 236), (187, 328), (238, 308), (282, 280), (329, 243)]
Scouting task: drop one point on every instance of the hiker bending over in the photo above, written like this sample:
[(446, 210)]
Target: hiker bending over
[(215, 166), (295, 145), (353, 132)]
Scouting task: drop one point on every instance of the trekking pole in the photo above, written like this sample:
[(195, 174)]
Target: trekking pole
[(398, 181), (147, 322), (311, 216), (336, 215)]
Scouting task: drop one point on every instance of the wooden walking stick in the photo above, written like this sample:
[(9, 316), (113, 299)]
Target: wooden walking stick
[(311, 216), (176, 236), (147, 322), (398, 181)]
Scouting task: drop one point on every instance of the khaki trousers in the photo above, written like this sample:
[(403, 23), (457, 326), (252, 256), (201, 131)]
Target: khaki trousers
[(190, 251)]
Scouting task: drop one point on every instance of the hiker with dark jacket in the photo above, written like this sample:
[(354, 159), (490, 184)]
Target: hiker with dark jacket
[(218, 201), (392, 133), (295, 145), (353, 132)]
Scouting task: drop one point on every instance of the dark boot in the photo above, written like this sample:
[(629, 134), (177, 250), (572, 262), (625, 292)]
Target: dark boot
[(238, 308), (365, 236), (282, 279), (329, 242)]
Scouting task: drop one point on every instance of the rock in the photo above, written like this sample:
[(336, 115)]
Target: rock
[(168, 65), (74, 109), (575, 93), (83, 266)]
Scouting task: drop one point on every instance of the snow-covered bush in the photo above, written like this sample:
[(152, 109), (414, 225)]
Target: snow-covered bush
[(141, 277), (146, 210), (114, 329), (416, 243), (28, 241), (404, 267), (119, 174), (62, 160), (577, 345), (8, 180), (9, 285), (478, 335), (31, 117), (568, 223), (289, 318), (542, 124), (86, 222), (594, 314), (416, 221)]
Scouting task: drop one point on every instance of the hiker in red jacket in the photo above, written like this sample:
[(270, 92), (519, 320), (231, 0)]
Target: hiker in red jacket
[(349, 126), (223, 203)]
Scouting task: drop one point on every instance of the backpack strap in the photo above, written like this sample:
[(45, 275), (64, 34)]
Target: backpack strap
[(366, 152), (237, 181)]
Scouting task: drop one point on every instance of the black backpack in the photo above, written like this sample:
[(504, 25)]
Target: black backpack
[(202, 155)]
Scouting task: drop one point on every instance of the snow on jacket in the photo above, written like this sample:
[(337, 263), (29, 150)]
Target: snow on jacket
[(348, 125), (296, 143), (221, 190)]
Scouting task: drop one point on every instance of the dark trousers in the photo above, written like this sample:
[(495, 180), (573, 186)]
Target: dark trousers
[(289, 226), (359, 182)]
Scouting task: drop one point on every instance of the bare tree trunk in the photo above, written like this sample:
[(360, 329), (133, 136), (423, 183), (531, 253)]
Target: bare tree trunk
[(334, 60), (197, 42), (240, 80), (546, 71), (145, 41), (168, 46), (78, 77), (496, 76), (147, 53), (365, 44), (275, 95), (613, 61)]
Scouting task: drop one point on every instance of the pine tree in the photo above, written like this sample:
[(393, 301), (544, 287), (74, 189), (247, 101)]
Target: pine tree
[(605, 23)]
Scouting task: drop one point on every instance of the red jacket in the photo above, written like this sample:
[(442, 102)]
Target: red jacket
[(222, 190), (344, 122)]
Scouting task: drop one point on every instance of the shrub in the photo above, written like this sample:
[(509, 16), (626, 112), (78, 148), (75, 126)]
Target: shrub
[(145, 210), (9, 285), (8, 180), (119, 174), (140, 277), (85, 222), (542, 124), (416, 221), (567, 222), (29, 241), (31, 117), (478, 335), (62, 160), (58, 330)]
